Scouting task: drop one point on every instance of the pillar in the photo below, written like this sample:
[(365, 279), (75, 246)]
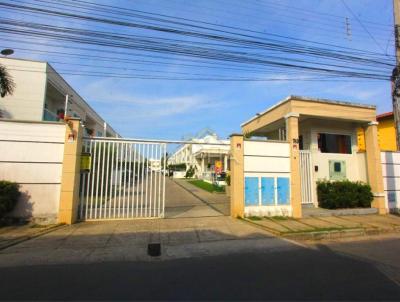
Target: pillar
[(292, 132), (225, 163), (237, 176), (374, 167), (69, 197)]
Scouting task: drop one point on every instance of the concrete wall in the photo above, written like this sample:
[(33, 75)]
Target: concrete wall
[(391, 176), (31, 154), (267, 159), (27, 101)]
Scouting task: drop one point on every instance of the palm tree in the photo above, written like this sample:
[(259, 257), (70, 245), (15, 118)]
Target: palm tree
[(7, 84)]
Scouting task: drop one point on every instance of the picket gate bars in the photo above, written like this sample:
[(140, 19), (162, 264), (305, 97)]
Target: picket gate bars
[(126, 179)]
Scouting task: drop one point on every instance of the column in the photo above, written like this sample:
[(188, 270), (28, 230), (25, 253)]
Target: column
[(374, 167), (225, 163), (292, 133), (70, 179), (237, 176)]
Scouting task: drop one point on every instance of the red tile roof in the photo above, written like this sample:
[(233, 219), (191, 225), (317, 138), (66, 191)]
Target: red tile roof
[(383, 115)]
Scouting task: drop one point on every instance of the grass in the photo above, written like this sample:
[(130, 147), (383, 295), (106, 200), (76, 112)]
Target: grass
[(206, 186), (255, 218)]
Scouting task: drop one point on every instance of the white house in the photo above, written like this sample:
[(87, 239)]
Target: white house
[(207, 155), (41, 94)]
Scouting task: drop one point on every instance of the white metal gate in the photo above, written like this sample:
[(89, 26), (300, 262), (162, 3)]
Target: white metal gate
[(306, 177), (126, 179)]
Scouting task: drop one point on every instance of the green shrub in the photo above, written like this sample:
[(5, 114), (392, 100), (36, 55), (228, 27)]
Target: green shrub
[(189, 173), (343, 194), (228, 179), (9, 194)]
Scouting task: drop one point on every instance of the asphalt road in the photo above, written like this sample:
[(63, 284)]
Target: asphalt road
[(297, 274)]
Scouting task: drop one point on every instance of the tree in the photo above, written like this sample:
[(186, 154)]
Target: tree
[(7, 84)]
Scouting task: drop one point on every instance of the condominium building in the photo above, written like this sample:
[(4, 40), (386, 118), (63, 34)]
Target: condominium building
[(41, 94), (207, 156)]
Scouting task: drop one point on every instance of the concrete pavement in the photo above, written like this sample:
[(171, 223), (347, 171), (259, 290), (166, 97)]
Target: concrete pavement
[(127, 241), (181, 203), (220, 202)]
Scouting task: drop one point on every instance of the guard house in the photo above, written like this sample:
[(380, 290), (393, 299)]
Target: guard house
[(321, 138)]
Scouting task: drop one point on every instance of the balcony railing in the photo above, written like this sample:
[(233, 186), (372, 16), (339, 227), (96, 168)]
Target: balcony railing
[(50, 116)]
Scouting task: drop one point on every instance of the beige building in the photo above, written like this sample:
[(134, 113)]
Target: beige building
[(41, 94), (322, 138)]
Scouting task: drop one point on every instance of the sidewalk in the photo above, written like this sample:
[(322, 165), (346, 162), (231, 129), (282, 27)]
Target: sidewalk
[(218, 201), (329, 227), (127, 240), (11, 235)]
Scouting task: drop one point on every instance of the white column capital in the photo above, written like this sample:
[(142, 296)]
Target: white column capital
[(373, 123)]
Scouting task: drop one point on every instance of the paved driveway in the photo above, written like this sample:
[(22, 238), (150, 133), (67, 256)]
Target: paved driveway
[(182, 202)]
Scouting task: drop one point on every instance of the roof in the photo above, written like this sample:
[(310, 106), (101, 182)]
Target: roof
[(310, 99), (384, 115)]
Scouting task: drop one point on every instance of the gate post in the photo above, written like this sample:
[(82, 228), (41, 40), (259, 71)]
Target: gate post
[(237, 176), (70, 179), (374, 167), (292, 129)]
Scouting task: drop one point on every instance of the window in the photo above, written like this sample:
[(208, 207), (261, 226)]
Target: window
[(334, 143)]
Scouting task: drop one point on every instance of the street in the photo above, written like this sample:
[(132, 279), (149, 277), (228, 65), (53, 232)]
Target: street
[(297, 274)]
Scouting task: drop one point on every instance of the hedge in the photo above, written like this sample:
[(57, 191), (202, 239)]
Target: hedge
[(9, 194), (344, 194)]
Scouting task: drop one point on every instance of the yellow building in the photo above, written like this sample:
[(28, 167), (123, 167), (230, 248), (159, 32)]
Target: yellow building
[(386, 133)]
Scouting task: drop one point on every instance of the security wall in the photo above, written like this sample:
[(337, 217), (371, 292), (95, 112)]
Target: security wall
[(31, 154), (267, 178), (391, 178)]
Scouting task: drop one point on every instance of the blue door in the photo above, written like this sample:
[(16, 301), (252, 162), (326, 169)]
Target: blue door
[(283, 190), (267, 191), (251, 191)]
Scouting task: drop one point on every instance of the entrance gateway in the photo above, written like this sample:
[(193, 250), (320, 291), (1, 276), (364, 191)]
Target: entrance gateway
[(125, 178)]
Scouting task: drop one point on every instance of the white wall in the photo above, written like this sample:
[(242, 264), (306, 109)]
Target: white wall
[(391, 178), (267, 159), (27, 101), (31, 154)]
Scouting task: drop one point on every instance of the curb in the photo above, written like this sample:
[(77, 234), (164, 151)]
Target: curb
[(26, 238), (330, 235)]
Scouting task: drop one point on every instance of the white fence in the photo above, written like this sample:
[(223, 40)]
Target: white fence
[(31, 154), (307, 183), (267, 178), (391, 177)]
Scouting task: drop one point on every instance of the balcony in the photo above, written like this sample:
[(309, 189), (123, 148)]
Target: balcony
[(50, 116)]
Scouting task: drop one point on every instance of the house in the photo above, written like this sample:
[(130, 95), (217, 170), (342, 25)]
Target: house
[(386, 133), (207, 155), (304, 140), (41, 94)]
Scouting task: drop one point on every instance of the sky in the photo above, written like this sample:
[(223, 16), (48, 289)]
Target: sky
[(176, 109)]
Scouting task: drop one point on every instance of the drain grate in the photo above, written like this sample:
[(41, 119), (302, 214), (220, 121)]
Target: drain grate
[(154, 249)]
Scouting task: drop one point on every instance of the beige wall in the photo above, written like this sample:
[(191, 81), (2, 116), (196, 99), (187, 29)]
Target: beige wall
[(31, 154), (27, 101)]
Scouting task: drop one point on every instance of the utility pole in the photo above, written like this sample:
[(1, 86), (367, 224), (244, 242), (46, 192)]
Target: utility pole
[(396, 72)]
